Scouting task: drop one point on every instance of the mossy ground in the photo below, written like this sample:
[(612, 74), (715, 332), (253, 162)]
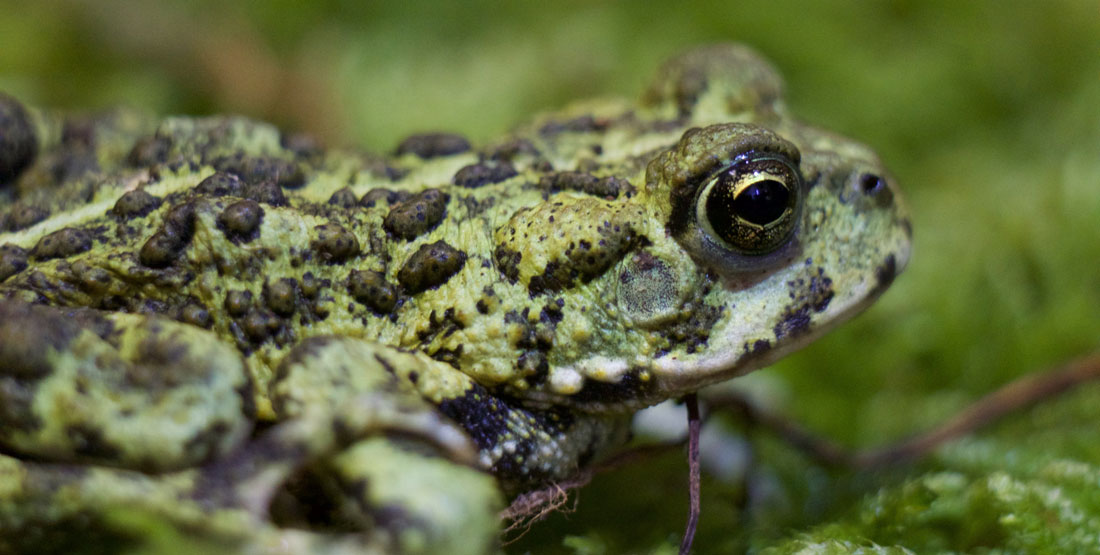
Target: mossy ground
[(987, 112)]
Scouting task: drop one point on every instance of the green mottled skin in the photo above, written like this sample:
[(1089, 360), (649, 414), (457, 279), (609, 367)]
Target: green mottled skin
[(327, 350)]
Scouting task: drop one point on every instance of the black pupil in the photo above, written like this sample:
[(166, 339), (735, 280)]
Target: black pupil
[(762, 202)]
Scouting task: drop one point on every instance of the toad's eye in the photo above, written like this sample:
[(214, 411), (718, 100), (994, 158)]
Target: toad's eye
[(751, 206)]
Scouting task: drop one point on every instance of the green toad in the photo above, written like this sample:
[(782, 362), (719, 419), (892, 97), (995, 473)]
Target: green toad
[(212, 327)]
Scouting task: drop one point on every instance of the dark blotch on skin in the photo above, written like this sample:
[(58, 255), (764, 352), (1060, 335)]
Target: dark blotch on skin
[(812, 297), (18, 143), (433, 145), (89, 442), (13, 260), (148, 151), (431, 265), (416, 215), (483, 173), (62, 243), (135, 204), (885, 274), (281, 296), (344, 198), (372, 289), (27, 334), (606, 187), (629, 388), (241, 220), (489, 420), (334, 243), (168, 242), (508, 262)]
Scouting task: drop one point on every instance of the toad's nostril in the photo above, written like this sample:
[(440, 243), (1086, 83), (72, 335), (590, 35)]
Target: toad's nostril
[(870, 183)]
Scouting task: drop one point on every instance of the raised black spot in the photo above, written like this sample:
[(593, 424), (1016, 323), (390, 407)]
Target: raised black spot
[(374, 196), (238, 303), (18, 143), (344, 198), (62, 243), (168, 242), (79, 131), (372, 289), (220, 184), (240, 221), (281, 296), (135, 204), (483, 173), (511, 149), (13, 259), (334, 243), (301, 144), (416, 215), (195, 314), (257, 169), (582, 124), (311, 285), (24, 215), (266, 192), (259, 324), (431, 265), (432, 145), (606, 187), (148, 151), (91, 279)]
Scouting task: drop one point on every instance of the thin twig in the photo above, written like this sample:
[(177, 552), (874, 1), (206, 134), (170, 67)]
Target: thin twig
[(1012, 397), (694, 426)]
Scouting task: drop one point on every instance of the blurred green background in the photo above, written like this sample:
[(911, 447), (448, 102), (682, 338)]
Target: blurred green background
[(987, 112)]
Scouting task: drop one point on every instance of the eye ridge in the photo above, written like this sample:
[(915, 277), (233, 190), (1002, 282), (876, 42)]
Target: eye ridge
[(750, 206)]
